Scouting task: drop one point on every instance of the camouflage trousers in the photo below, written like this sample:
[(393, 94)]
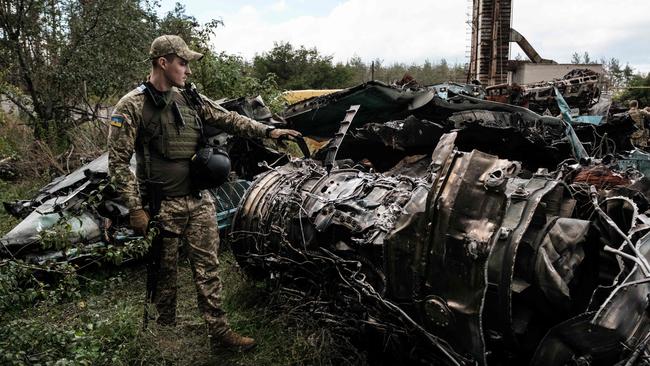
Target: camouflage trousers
[(191, 220)]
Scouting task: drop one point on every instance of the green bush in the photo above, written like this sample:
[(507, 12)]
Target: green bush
[(92, 337)]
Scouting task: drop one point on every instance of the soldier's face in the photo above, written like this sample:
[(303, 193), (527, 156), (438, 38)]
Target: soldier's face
[(177, 71)]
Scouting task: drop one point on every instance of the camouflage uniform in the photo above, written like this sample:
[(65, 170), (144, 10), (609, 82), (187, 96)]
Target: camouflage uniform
[(190, 217), (640, 136)]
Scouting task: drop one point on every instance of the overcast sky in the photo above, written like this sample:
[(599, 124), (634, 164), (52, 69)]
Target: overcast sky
[(412, 31)]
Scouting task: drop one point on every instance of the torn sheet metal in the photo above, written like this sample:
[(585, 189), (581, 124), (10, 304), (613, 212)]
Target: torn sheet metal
[(333, 147), (380, 103), (579, 151), (383, 103), (448, 90), (93, 171), (508, 131), (254, 107), (638, 160), (579, 87), (618, 330)]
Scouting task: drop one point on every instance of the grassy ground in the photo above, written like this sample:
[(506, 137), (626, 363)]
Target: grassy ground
[(102, 324)]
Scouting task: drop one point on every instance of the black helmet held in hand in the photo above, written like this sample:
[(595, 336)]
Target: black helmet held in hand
[(209, 168)]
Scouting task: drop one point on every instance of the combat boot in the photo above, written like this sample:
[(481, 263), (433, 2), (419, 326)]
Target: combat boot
[(232, 341)]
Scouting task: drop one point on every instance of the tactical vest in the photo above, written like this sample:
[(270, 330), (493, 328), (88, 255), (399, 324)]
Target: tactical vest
[(167, 150), (173, 130), (167, 139)]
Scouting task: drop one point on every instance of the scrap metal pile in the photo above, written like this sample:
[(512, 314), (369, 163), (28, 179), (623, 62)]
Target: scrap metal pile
[(447, 253), (443, 228), (579, 87)]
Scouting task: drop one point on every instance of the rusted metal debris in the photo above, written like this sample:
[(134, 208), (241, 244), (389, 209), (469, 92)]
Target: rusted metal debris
[(579, 87), (444, 228), (457, 256), (469, 256)]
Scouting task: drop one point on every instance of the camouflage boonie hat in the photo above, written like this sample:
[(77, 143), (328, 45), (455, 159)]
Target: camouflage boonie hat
[(167, 44)]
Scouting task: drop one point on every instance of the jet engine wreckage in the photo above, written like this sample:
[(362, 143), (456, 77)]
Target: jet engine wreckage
[(478, 261), (455, 230)]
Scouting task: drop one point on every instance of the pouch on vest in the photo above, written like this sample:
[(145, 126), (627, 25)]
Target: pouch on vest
[(180, 133)]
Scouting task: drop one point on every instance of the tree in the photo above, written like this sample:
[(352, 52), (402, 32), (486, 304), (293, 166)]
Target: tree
[(300, 68), (576, 58), (217, 75), (425, 74), (585, 58), (638, 89), (229, 76), (360, 71), (64, 59), (617, 76)]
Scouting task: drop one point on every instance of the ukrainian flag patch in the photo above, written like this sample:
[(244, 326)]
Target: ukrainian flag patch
[(117, 121)]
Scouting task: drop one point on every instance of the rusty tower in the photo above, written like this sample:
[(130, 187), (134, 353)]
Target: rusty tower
[(490, 41)]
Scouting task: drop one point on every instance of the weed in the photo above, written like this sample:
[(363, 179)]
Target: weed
[(103, 326)]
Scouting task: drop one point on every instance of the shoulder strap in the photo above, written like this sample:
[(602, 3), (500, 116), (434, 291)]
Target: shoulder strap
[(152, 110), (194, 100)]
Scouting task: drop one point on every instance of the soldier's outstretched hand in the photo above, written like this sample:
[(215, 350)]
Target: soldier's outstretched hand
[(279, 133)]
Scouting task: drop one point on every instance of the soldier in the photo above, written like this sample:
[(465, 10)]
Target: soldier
[(161, 124), (640, 136)]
